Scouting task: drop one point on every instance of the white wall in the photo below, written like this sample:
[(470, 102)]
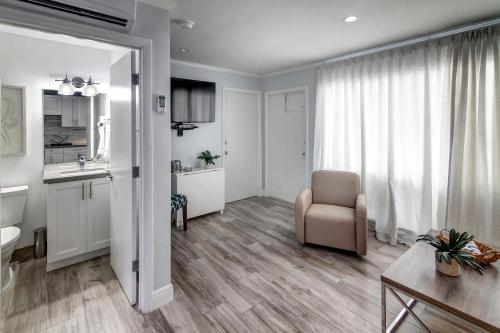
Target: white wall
[(32, 63), (303, 78), (154, 23), (208, 135)]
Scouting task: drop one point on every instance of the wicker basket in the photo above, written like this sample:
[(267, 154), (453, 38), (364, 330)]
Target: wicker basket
[(488, 254)]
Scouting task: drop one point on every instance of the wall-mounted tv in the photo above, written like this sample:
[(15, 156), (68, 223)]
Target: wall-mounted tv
[(192, 101)]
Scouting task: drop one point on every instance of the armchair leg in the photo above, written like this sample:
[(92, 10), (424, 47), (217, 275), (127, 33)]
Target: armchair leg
[(184, 217)]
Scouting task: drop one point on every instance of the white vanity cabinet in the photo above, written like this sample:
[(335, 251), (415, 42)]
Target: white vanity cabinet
[(78, 221), (66, 220), (98, 214)]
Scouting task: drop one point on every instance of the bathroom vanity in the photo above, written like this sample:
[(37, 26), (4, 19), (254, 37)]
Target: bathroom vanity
[(78, 212)]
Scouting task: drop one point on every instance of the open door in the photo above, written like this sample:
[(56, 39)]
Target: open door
[(123, 100)]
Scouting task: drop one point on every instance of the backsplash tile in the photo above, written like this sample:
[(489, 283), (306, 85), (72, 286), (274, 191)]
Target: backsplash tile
[(54, 131)]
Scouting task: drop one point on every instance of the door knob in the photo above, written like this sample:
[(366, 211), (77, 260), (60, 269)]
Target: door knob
[(303, 154), (226, 153)]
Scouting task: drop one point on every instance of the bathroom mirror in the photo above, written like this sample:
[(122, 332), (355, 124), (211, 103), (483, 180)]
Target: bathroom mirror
[(74, 125)]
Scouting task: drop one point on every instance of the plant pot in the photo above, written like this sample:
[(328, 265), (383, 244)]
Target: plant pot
[(452, 269), (206, 166)]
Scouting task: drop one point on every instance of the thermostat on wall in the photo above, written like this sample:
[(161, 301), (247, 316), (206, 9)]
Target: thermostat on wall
[(161, 103)]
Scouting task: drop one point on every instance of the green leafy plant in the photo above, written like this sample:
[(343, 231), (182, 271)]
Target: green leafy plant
[(453, 249), (207, 157)]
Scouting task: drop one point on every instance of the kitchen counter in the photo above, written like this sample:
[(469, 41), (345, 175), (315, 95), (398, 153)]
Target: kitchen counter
[(67, 172)]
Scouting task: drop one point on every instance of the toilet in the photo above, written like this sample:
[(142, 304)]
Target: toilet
[(12, 208)]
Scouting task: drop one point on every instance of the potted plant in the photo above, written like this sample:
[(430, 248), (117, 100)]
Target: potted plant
[(451, 254), (207, 157)]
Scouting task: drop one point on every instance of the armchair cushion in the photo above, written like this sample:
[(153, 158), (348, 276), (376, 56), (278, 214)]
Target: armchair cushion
[(331, 226), (339, 188)]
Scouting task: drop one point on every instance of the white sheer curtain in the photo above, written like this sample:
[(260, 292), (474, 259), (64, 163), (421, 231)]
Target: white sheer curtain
[(391, 118)]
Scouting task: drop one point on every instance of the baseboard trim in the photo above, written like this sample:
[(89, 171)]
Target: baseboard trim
[(162, 296), (73, 260)]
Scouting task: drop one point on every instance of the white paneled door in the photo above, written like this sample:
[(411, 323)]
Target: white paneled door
[(286, 144), (242, 139), (122, 159)]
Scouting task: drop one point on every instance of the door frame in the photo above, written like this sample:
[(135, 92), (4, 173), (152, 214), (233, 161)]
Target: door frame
[(258, 95), (144, 139), (267, 158)]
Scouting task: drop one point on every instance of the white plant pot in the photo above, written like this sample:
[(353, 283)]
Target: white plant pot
[(452, 269), (206, 166)]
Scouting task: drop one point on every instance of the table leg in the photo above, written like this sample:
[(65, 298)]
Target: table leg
[(184, 217), (384, 311), (408, 309)]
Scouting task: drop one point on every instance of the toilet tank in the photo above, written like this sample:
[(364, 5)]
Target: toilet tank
[(13, 201)]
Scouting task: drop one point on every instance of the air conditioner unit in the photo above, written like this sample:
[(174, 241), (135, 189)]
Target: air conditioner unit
[(110, 14)]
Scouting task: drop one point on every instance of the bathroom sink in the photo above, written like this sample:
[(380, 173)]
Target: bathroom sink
[(86, 170)]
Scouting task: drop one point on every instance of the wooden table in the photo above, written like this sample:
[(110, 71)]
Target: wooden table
[(472, 297)]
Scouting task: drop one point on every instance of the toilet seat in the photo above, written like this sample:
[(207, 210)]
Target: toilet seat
[(9, 236)]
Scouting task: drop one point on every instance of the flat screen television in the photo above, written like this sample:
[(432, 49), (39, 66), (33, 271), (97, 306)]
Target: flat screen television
[(192, 101)]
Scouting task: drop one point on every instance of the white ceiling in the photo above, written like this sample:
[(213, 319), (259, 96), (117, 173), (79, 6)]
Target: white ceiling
[(281, 34), (62, 38)]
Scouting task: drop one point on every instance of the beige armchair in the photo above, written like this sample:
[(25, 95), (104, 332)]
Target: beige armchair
[(332, 212)]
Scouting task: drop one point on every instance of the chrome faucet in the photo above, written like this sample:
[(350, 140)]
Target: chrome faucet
[(81, 160)]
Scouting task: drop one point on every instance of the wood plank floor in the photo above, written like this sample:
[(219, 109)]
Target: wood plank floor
[(238, 272)]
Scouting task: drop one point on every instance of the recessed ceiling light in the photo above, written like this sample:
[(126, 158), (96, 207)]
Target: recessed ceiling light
[(185, 23), (255, 65), (350, 19), (184, 50)]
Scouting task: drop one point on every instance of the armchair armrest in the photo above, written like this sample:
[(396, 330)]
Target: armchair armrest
[(361, 225), (302, 204)]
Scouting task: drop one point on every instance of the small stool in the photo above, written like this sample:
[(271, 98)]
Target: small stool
[(178, 201)]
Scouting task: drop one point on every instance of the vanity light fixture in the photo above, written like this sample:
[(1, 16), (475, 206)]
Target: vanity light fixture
[(65, 88), (350, 19)]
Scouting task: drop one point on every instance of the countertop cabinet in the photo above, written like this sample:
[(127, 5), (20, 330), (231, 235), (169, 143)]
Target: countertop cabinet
[(51, 105), (82, 110), (78, 218), (74, 111), (204, 190), (67, 111)]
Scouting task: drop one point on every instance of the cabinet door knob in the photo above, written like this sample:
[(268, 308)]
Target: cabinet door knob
[(90, 192), (83, 191)]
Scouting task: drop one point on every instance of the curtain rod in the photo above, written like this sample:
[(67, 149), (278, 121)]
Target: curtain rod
[(416, 40)]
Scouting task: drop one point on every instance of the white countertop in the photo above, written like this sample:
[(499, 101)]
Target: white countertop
[(65, 172)]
